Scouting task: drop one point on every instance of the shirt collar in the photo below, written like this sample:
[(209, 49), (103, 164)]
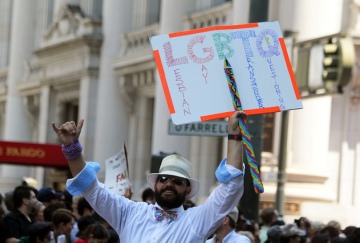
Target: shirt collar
[(180, 210)]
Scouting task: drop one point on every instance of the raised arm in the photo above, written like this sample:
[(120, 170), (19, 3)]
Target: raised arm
[(68, 134), (235, 147)]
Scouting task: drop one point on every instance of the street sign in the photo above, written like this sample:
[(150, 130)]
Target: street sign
[(214, 128)]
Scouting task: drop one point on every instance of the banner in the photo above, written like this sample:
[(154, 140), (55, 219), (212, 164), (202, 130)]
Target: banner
[(191, 69), (117, 173)]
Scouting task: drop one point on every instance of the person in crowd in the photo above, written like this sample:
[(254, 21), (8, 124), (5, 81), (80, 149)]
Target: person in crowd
[(336, 224), (49, 210), (348, 230), (290, 233), (249, 235), (113, 236), (331, 231), (82, 223), (148, 195), (2, 215), (63, 221), (304, 223), (2, 209), (274, 234), (68, 201), (268, 217), (166, 221), (16, 223), (97, 233), (248, 227), (354, 236), (226, 233), (38, 211), (315, 227), (39, 232), (48, 195), (83, 208), (74, 203), (8, 200), (320, 238)]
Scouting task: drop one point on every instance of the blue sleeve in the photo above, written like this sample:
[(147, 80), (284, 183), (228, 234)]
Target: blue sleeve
[(225, 173), (78, 184)]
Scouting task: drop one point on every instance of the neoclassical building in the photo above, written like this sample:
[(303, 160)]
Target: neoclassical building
[(92, 59)]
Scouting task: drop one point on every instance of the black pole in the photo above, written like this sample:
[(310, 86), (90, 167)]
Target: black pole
[(249, 204), (258, 10), (281, 177)]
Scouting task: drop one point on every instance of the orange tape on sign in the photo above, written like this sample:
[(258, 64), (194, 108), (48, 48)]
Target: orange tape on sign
[(163, 82), (289, 68)]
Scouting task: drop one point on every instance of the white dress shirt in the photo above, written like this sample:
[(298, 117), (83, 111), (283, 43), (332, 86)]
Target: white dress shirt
[(135, 221)]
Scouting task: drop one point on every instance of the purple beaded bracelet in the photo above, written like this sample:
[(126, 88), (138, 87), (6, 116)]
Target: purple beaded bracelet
[(72, 151)]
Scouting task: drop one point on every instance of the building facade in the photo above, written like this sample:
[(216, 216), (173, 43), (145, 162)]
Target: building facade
[(70, 59)]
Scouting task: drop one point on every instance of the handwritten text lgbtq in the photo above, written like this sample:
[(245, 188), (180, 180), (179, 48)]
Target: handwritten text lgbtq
[(265, 43)]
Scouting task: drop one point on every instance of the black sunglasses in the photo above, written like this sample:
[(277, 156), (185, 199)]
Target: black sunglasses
[(176, 180)]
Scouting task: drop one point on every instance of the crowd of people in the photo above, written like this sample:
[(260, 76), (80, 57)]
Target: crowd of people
[(49, 216), (271, 228), (88, 212)]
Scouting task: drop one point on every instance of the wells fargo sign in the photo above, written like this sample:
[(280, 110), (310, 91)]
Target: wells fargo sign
[(32, 154)]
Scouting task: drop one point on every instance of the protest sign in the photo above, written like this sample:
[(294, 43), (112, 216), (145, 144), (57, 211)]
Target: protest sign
[(117, 173), (191, 69)]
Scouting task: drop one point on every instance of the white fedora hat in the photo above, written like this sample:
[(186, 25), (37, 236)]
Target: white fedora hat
[(175, 165)]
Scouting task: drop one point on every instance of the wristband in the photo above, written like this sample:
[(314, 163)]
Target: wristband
[(236, 137), (72, 151)]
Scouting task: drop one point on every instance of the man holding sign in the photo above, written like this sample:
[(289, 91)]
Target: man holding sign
[(166, 221)]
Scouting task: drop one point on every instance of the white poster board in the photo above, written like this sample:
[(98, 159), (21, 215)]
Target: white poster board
[(191, 69), (117, 173)]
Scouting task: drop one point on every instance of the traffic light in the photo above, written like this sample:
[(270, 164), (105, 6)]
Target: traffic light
[(339, 57)]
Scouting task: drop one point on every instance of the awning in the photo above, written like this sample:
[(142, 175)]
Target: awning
[(34, 154)]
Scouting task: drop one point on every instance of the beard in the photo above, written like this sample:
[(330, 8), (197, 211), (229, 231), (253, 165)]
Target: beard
[(169, 203)]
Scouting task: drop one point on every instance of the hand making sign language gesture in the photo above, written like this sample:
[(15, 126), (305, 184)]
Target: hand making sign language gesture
[(68, 134)]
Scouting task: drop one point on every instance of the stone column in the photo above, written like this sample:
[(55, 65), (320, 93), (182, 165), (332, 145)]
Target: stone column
[(205, 153), (241, 11), (88, 93), (5, 21), (209, 160), (345, 127), (17, 127), (172, 13), (112, 118), (142, 136), (43, 127), (319, 22)]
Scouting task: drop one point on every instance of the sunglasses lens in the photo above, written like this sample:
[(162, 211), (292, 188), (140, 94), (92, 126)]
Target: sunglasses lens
[(163, 179), (176, 181)]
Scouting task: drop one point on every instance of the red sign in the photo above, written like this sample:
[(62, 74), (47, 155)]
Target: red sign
[(20, 153)]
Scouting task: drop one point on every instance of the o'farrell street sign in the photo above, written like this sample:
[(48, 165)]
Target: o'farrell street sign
[(214, 128)]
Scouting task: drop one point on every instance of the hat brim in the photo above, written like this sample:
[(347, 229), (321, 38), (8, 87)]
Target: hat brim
[(194, 184)]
